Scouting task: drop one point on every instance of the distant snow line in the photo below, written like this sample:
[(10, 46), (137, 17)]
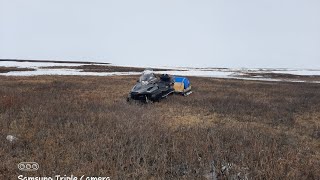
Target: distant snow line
[(76, 72), (231, 73)]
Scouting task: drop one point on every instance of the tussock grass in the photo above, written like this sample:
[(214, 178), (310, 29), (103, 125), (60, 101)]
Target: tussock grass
[(83, 125)]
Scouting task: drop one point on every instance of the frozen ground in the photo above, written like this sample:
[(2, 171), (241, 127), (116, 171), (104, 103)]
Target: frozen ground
[(230, 73)]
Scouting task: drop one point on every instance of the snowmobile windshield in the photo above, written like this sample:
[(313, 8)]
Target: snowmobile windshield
[(146, 77)]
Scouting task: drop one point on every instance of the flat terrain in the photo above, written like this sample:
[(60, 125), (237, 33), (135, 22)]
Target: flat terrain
[(283, 76), (103, 68), (9, 69), (59, 68), (83, 125), (52, 61)]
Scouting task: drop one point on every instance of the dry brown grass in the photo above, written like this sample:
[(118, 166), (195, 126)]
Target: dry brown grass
[(83, 125), (8, 69)]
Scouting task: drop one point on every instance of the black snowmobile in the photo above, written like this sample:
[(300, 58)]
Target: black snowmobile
[(151, 88)]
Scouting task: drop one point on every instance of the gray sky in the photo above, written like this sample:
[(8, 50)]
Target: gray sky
[(223, 33)]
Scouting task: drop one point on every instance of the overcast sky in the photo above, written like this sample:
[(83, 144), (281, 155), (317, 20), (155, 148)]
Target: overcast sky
[(223, 33)]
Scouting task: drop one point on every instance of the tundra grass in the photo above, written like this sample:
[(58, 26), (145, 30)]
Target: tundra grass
[(83, 125)]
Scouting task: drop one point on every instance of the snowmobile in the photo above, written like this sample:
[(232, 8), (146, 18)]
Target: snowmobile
[(150, 88)]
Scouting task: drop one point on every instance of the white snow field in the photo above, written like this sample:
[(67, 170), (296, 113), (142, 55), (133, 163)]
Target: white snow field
[(230, 73)]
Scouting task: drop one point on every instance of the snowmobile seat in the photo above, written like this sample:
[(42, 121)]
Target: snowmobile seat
[(165, 78)]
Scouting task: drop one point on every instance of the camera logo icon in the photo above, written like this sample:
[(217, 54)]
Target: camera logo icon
[(28, 166)]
